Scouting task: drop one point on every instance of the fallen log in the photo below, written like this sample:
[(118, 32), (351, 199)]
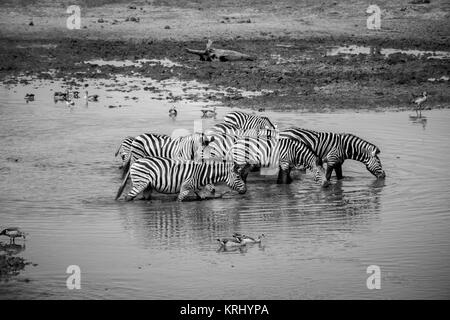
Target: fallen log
[(211, 54)]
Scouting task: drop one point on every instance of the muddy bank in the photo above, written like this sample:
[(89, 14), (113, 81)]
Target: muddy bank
[(293, 73)]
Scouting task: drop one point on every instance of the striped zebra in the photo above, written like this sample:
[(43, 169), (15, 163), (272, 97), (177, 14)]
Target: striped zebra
[(227, 128), (335, 148), (124, 150), (284, 154), (242, 120), (219, 145), (166, 175), (160, 145)]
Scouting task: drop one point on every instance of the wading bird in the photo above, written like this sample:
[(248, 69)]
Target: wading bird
[(419, 101), (13, 233), (88, 97), (209, 113), (173, 112), (230, 242), (247, 239)]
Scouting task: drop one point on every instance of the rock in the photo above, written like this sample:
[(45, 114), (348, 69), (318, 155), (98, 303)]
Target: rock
[(167, 27), (31, 23), (132, 8), (100, 20)]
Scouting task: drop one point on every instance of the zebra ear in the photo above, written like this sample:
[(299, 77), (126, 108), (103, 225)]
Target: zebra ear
[(375, 152)]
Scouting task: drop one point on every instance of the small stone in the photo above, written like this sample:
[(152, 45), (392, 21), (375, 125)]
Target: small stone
[(31, 23), (167, 27)]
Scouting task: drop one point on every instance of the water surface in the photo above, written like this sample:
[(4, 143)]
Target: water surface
[(58, 178)]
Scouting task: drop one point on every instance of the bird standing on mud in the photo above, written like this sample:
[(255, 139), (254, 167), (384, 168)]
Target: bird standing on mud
[(419, 101), (13, 233)]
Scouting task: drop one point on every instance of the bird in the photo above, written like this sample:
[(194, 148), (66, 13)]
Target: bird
[(29, 97), (173, 112), (60, 96), (70, 103), (88, 97), (247, 239), (208, 113), (418, 101), (13, 233), (230, 242)]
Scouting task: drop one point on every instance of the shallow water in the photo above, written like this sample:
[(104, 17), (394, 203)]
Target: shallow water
[(58, 178)]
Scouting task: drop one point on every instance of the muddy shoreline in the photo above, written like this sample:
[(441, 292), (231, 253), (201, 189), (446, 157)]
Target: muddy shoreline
[(290, 42)]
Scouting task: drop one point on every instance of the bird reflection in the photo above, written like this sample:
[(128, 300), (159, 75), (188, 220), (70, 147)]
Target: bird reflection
[(418, 120), (12, 248)]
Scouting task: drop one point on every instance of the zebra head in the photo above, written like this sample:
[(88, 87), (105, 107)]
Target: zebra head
[(361, 150), (373, 164), (234, 180)]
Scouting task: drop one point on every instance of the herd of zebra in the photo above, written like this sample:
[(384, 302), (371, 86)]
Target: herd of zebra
[(228, 151)]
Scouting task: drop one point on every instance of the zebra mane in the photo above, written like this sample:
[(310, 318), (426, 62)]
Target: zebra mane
[(270, 122)]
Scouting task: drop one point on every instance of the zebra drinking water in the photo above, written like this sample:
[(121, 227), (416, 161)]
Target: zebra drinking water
[(160, 145), (284, 154), (171, 176), (242, 120), (335, 148), (124, 150)]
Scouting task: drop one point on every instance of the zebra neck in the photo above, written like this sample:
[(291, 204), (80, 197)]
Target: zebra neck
[(213, 172)]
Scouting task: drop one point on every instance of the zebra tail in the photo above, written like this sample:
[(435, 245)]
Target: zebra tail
[(118, 149), (126, 167), (122, 186)]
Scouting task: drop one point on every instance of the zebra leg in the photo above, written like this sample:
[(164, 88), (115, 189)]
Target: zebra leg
[(138, 187), (338, 170), (329, 172), (284, 174), (148, 193)]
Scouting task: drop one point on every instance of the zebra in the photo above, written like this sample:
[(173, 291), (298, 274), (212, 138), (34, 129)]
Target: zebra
[(125, 150), (242, 120), (171, 176), (161, 145), (219, 145), (232, 130), (335, 148), (284, 154)]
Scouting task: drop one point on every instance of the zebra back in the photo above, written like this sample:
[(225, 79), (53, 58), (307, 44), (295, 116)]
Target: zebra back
[(168, 175), (242, 120)]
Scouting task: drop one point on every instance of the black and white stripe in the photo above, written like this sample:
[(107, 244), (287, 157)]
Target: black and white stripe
[(125, 150), (335, 148), (284, 154), (171, 176), (242, 120), (229, 129)]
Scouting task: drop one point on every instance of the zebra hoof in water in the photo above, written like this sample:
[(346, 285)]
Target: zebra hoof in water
[(326, 184)]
